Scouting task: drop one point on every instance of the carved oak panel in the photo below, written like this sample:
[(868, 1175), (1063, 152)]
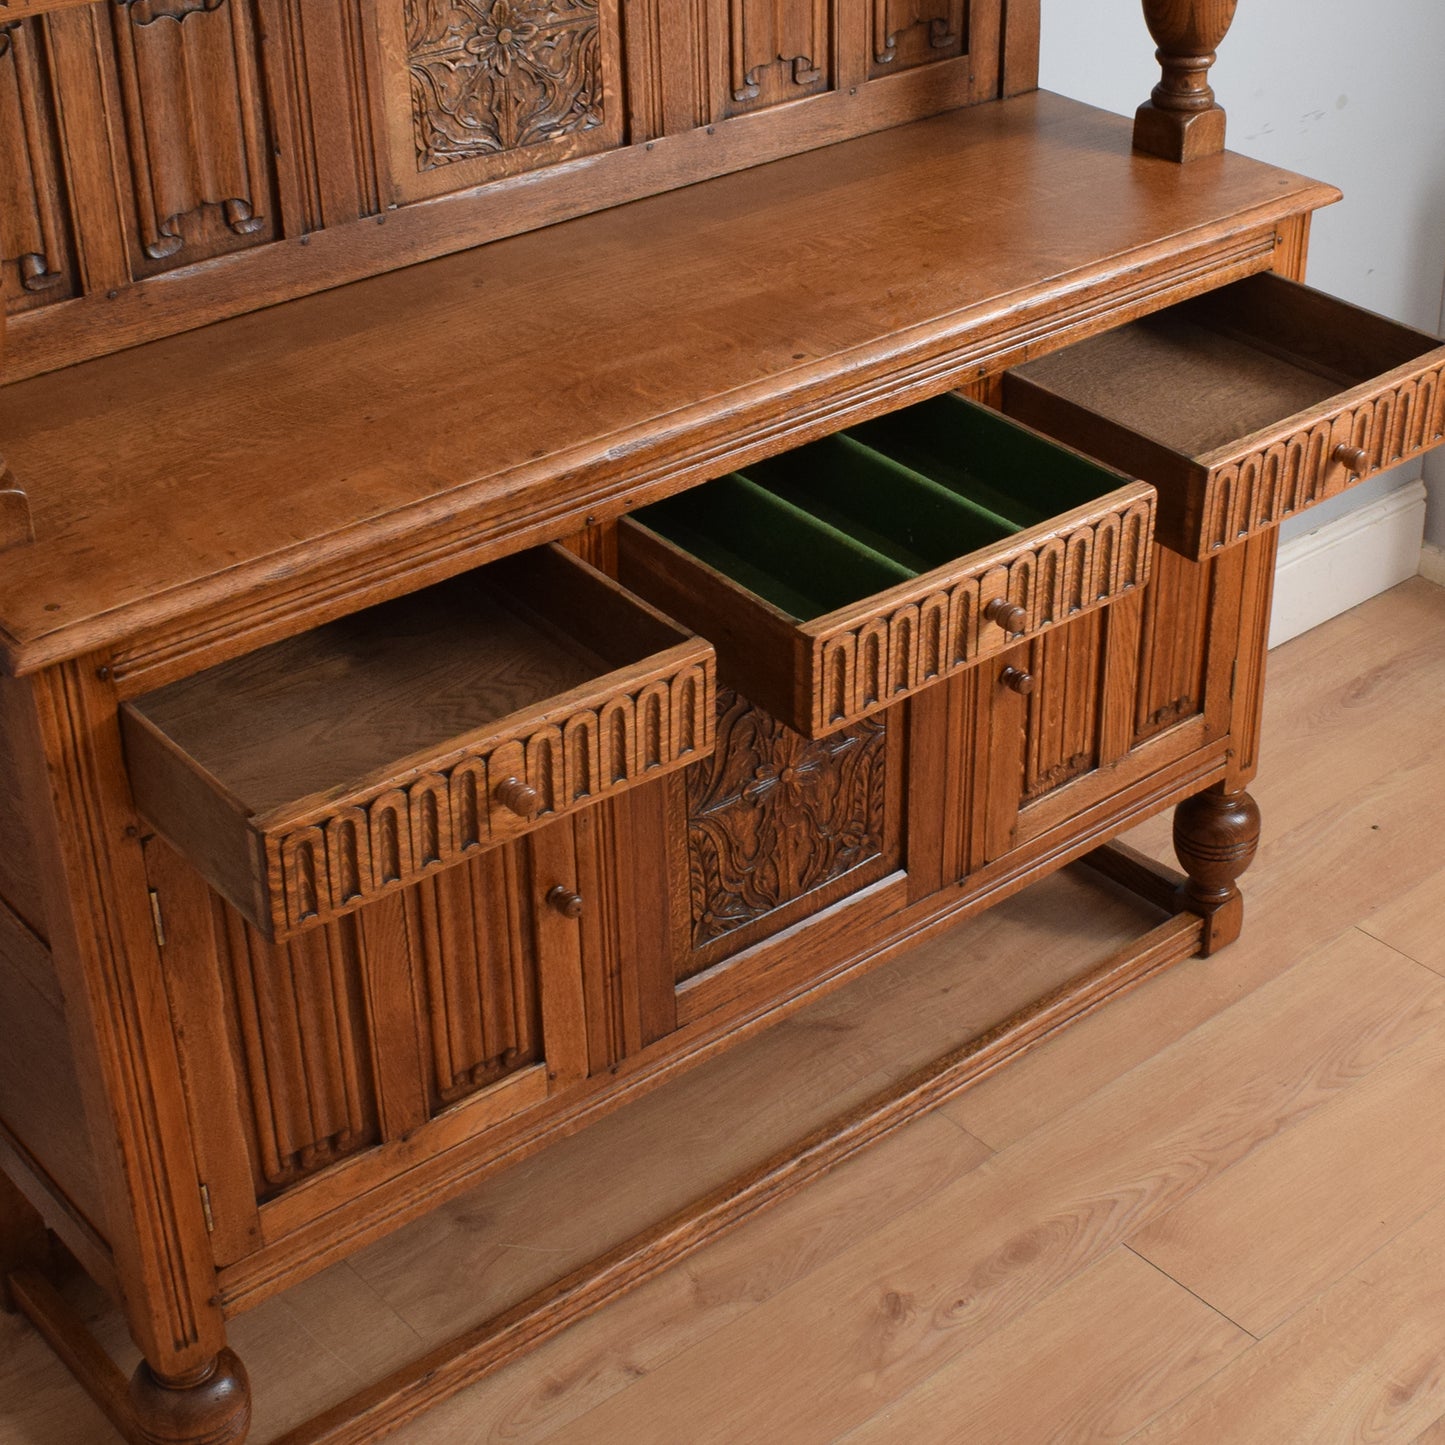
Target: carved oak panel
[(1061, 737), (773, 817), (778, 50), (917, 32), (1172, 645), (303, 1056), (199, 154), (470, 936), (35, 244)]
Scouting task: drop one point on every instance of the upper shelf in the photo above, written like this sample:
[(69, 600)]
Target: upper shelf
[(361, 442)]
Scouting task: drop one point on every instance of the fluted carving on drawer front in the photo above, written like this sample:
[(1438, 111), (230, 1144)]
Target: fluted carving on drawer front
[(298, 1020), (915, 32), (1263, 487), (865, 666), (200, 158), (470, 935), (779, 50), (772, 816), (358, 848), (494, 75), (35, 245)]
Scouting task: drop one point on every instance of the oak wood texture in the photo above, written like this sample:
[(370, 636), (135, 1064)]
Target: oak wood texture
[(821, 673), (950, 246), (1243, 407), (314, 775), (1181, 121)]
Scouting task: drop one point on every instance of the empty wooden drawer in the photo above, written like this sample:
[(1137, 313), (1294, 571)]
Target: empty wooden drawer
[(1242, 406), (315, 774), (844, 575)]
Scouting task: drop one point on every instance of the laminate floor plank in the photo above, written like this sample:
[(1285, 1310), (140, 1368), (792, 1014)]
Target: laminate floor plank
[(683, 1308), (1100, 1386), (940, 1278), (1360, 1363), (1414, 922), (1261, 1240)]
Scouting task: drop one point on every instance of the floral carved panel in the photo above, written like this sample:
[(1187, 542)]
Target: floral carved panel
[(490, 76), (772, 816)]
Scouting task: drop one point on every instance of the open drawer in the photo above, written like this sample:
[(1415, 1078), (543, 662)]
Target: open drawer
[(1242, 406), (839, 577), (315, 774)]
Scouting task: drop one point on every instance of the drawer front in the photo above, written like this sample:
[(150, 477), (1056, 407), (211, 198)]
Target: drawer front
[(839, 578), (1243, 406), (290, 781)]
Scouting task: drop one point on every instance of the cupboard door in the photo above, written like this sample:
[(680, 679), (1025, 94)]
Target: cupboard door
[(451, 1007)]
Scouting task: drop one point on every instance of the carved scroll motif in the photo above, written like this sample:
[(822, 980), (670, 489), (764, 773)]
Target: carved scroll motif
[(34, 224), (302, 1046), (190, 95), (913, 32), (489, 76), (779, 51), (772, 816)]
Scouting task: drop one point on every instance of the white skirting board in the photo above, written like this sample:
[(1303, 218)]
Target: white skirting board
[(1346, 561), (1432, 564)]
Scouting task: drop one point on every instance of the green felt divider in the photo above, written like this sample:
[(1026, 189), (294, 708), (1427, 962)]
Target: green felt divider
[(895, 510), (798, 562), (975, 451)]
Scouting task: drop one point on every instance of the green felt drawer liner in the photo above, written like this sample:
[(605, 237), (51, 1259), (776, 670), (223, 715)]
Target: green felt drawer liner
[(896, 510), (975, 451), (798, 562)]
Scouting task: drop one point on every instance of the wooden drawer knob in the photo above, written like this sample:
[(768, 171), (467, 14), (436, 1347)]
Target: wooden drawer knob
[(515, 796), (1009, 615), (1017, 680), (1357, 459), (565, 901)]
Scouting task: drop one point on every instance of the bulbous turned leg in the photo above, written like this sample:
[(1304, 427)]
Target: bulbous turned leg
[(1215, 836), (210, 1407)]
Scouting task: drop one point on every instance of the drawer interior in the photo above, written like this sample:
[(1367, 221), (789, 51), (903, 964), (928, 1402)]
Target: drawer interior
[(321, 713), (823, 527), (1233, 362)]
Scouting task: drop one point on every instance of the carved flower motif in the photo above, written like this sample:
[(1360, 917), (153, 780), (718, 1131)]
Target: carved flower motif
[(502, 38)]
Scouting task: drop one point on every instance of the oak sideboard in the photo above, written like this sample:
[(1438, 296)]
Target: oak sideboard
[(536, 536)]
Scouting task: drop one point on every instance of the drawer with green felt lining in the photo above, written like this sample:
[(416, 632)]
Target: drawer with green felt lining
[(839, 577)]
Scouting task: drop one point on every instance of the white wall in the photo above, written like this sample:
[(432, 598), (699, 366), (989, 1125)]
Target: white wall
[(1349, 91)]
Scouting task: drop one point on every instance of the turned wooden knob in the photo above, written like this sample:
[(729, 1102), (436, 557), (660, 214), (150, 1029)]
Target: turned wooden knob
[(1009, 615), (565, 901), (517, 797), (1017, 680), (1357, 459)]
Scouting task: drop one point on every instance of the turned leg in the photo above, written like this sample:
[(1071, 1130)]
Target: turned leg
[(1215, 836), (210, 1407)]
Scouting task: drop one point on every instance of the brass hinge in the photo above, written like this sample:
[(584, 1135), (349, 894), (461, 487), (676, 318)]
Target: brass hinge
[(206, 1209), (157, 921)]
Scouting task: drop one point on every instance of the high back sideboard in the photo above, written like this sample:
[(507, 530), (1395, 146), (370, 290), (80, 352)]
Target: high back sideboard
[(536, 536)]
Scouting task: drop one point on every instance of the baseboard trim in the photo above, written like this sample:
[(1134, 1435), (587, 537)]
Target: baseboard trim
[(1432, 564), (1348, 561)]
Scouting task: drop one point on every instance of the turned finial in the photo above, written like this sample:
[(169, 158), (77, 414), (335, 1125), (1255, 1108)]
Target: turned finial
[(1180, 121)]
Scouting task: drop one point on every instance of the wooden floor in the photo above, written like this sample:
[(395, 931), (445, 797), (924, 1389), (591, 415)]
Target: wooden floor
[(1214, 1212)]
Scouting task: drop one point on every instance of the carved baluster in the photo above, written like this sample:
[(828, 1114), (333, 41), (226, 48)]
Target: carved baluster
[(1180, 121), (1216, 835)]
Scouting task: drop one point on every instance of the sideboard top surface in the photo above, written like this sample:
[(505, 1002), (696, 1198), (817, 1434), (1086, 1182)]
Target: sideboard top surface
[(504, 395)]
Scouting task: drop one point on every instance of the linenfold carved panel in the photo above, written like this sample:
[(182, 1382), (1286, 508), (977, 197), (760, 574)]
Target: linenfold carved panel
[(494, 75), (915, 32), (200, 158), (1061, 737), (772, 816), (34, 220), (1171, 645), (298, 1023), (779, 50), (470, 936)]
